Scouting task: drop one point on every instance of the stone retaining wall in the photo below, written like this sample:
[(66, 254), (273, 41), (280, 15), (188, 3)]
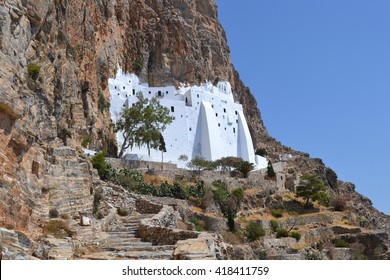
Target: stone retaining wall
[(159, 228), (147, 207)]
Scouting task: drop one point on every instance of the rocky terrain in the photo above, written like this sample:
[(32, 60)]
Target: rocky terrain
[(56, 57)]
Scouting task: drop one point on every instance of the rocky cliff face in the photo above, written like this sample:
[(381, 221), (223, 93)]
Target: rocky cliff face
[(75, 46)]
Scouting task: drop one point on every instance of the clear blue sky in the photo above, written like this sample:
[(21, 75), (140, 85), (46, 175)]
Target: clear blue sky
[(320, 71)]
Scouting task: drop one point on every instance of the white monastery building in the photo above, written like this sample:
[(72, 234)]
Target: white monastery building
[(207, 122)]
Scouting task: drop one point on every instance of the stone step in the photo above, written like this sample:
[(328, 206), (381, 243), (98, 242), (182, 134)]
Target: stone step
[(117, 230), (146, 248), (130, 255), (129, 245), (124, 241), (121, 234)]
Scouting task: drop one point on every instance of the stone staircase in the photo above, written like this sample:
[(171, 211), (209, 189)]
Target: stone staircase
[(123, 242)]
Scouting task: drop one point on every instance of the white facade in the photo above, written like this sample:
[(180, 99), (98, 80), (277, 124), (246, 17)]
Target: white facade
[(207, 122)]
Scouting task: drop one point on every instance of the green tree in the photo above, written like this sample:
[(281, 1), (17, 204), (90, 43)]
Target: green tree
[(163, 150), (143, 123), (228, 202), (198, 164), (270, 170), (311, 187)]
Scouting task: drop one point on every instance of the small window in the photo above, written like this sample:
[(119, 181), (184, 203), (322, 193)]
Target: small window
[(181, 116), (198, 102), (150, 92), (212, 106), (118, 93), (234, 130), (129, 82), (115, 87), (197, 95), (216, 114), (224, 110), (124, 87), (126, 95), (133, 91), (172, 109), (225, 128), (174, 118), (219, 125), (159, 93), (166, 92), (236, 113), (236, 121), (190, 129)]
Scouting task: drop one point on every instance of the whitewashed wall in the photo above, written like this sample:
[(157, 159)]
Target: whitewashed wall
[(207, 122)]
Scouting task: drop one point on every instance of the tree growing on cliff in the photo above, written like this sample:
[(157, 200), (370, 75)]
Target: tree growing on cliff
[(270, 170), (163, 149), (311, 187), (143, 123)]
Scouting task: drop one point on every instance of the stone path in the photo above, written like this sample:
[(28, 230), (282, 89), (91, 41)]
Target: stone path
[(124, 243)]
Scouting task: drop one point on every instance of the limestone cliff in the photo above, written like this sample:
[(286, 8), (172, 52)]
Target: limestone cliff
[(77, 46), (55, 59)]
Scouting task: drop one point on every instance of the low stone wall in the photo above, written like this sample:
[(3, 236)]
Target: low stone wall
[(147, 207), (159, 228), (139, 164)]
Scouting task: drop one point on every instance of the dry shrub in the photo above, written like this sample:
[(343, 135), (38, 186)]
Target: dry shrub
[(232, 238), (339, 204), (208, 200), (156, 180), (58, 229)]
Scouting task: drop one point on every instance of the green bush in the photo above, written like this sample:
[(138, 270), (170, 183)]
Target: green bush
[(261, 152), (238, 193), (313, 256), (341, 243), (97, 197), (296, 235), (174, 190), (122, 212), (254, 231), (86, 140), (277, 212), (228, 203), (281, 233), (99, 163), (53, 213), (245, 167), (199, 224), (33, 71), (137, 65), (221, 193), (102, 103), (274, 225), (198, 190)]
